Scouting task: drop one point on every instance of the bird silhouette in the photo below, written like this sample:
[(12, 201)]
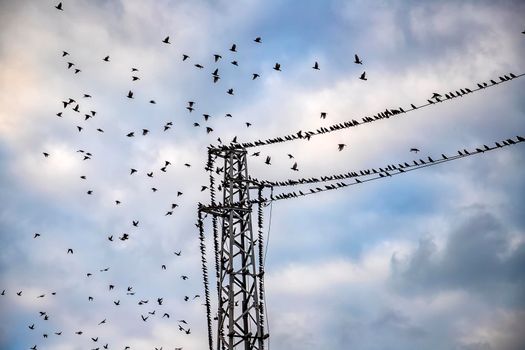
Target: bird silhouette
[(294, 167), (255, 76), (323, 115), (166, 40), (130, 94), (277, 67), (341, 146), (217, 57), (258, 40), (233, 48), (267, 161), (106, 59), (59, 6), (363, 76), (316, 66), (357, 60), (415, 150)]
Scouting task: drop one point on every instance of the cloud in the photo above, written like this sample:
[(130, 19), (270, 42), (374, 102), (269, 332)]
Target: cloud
[(433, 260)]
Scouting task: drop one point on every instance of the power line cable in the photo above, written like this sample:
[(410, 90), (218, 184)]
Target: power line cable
[(386, 114)]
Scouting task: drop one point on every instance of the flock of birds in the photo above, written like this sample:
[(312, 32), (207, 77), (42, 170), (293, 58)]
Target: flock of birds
[(74, 104)]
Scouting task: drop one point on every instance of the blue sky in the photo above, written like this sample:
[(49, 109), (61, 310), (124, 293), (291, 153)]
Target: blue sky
[(431, 259)]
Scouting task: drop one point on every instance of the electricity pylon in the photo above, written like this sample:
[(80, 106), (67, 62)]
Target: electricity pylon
[(240, 270)]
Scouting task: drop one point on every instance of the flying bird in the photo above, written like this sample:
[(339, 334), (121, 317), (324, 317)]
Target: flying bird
[(277, 67), (341, 146), (357, 60), (59, 6), (255, 76), (106, 59), (130, 94), (258, 40), (363, 76), (316, 66), (415, 150), (166, 40), (233, 48)]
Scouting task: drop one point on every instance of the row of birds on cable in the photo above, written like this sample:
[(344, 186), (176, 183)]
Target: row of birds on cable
[(395, 170), (386, 114), (369, 174), (386, 169)]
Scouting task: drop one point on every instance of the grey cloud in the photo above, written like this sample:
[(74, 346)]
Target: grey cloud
[(478, 257)]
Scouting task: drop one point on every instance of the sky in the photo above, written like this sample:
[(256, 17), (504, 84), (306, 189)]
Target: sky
[(433, 258)]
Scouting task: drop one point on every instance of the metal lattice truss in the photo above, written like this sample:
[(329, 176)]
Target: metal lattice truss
[(240, 274)]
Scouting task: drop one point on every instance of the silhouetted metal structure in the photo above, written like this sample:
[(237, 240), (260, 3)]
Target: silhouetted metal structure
[(240, 271), (239, 256)]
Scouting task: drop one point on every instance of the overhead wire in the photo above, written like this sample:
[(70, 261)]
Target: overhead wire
[(381, 175), (386, 114), (386, 174)]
